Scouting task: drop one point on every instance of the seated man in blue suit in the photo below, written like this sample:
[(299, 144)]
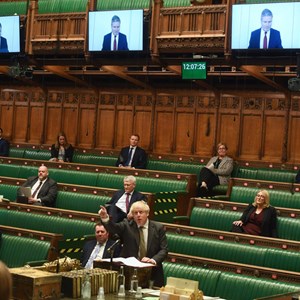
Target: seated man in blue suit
[(132, 156), (97, 248), (265, 37), (3, 42), (115, 40), (119, 205)]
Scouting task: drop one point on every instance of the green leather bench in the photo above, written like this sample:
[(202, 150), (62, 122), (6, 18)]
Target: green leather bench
[(92, 159), (73, 230), (9, 170), (13, 7), (278, 198), (208, 279), (236, 287), (16, 251), (228, 285), (80, 202), (233, 252), (287, 228), (62, 6), (37, 154), (14, 151), (117, 5), (9, 191), (266, 174)]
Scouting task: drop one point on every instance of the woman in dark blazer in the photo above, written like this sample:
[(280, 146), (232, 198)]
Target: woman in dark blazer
[(62, 151), (259, 218)]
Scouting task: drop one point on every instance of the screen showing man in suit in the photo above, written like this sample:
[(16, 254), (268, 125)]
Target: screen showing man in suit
[(265, 37), (115, 40), (3, 42)]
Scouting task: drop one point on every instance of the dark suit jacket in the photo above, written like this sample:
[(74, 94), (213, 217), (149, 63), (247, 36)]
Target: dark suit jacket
[(47, 193), (116, 214), (268, 227), (298, 177), (122, 44), (89, 246), (68, 153), (4, 147), (157, 247), (139, 160), (275, 40), (3, 47)]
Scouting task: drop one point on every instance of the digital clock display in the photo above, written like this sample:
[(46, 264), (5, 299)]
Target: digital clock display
[(193, 70)]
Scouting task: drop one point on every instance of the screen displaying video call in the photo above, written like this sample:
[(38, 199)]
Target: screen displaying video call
[(119, 30), (266, 26), (10, 34)]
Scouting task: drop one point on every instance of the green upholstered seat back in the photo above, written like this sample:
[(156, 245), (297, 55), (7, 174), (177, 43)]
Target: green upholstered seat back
[(15, 251)]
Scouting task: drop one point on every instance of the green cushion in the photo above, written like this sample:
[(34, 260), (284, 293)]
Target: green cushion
[(80, 202), (9, 191), (9, 170), (37, 154), (16, 152), (28, 249), (13, 7)]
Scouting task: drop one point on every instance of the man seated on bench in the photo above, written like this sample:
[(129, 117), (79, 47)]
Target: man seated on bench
[(42, 189), (100, 247), (119, 205)]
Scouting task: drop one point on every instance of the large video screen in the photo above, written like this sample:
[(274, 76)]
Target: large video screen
[(10, 34), (119, 30), (266, 26)]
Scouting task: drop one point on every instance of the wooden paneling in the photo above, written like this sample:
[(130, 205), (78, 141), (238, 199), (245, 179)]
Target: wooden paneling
[(251, 137), (255, 127)]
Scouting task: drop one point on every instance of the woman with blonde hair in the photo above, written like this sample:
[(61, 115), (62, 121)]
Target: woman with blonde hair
[(259, 218), (62, 151), (5, 282)]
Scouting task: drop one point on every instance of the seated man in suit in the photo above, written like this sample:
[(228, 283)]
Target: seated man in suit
[(115, 40), (142, 238), (132, 156), (265, 37), (43, 188), (97, 248), (120, 203)]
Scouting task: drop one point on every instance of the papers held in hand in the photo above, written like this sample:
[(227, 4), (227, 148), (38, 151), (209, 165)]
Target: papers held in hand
[(25, 191), (23, 194), (130, 262)]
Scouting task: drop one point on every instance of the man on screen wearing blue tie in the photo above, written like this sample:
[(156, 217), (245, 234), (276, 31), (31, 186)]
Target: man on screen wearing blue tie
[(132, 156), (115, 40), (97, 248), (265, 37)]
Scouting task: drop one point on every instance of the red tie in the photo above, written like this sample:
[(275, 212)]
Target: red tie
[(127, 201), (115, 42), (265, 46)]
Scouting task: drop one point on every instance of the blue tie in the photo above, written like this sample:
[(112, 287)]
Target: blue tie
[(94, 254), (129, 157)]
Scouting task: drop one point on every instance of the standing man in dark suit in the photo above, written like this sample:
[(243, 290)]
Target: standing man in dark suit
[(132, 156), (43, 188), (3, 42), (97, 248), (142, 238), (115, 40), (265, 37), (121, 201)]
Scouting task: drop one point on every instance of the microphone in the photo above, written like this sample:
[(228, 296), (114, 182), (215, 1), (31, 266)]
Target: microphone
[(111, 248)]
